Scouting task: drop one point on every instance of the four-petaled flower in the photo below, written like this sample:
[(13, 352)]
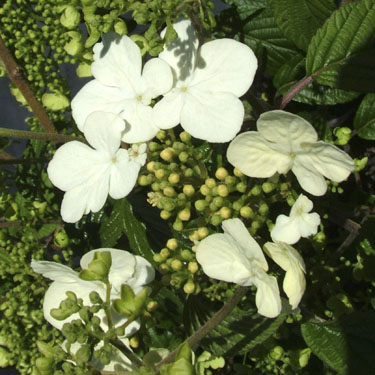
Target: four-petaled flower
[(288, 258), (283, 142), (88, 175), (234, 256), (207, 84), (122, 87), (126, 268), (299, 223)]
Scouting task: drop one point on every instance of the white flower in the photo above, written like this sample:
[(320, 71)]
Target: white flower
[(207, 84), (126, 268), (88, 174), (122, 87), (234, 256), (288, 258), (284, 142), (299, 223)]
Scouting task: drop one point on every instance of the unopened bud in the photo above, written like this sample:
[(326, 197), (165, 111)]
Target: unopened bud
[(193, 267), (167, 154), (172, 244), (184, 215), (222, 191), (246, 212), (189, 287), (237, 172), (188, 190), (221, 173)]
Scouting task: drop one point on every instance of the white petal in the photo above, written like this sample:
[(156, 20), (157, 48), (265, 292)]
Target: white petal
[(225, 65), (285, 128), (124, 174), (308, 224), (256, 157), (286, 230), (56, 294), (73, 164), (103, 131), (117, 62), (54, 271), (122, 268), (330, 161), (85, 198), (308, 177), (302, 204), (290, 261), (222, 259), (141, 127), (167, 112), (214, 117), (181, 53), (143, 275), (267, 296), (96, 97), (157, 77), (236, 229)]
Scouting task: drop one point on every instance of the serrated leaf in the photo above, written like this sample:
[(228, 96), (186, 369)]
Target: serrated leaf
[(261, 33), (122, 220), (364, 121), (314, 93), (246, 8), (342, 53), (300, 19), (347, 344), (238, 333)]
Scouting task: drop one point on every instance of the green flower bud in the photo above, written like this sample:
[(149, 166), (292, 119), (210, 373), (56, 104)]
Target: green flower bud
[(222, 191), (304, 356), (276, 353), (158, 258), (188, 172), (256, 190), (120, 27), (186, 254), (163, 268), (221, 173), (152, 306), (343, 135), (290, 200), (165, 215), (164, 253), (176, 265), (360, 163), (185, 137), (230, 180), (216, 220), (178, 226), (134, 342), (5, 357), (169, 191), (268, 187), (60, 314), (202, 232), (143, 180), (189, 287), (44, 364), (174, 178), (168, 154), (183, 156), (210, 183), (225, 212), (237, 172), (246, 212), (46, 349), (200, 205), (172, 244), (205, 190), (70, 18), (188, 190), (263, 209), (95, 298), (193, 267), (160, 173), (184, 215)]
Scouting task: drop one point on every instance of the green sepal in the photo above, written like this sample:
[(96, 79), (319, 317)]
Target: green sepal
[(140, 300), (88, 275), (44, 363), (45, 349), (71, 17), (181, 367), (123, 308), (60, 314), (185, 352)]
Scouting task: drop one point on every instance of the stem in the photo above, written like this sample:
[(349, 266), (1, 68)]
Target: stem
[(208, 326), (58, 138), (294, 91), (127, 352), (107, 306), (15, 74)]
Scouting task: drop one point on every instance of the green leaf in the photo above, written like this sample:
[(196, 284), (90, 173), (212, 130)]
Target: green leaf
[(347, 345), (314, 93), (55, 101), (300, 19), (261, 33), (238, 333), (123, 220), (364, 120), (4, 257), (246, 8), (46, 229), (342, 53)]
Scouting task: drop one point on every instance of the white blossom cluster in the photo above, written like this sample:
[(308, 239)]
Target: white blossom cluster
[(198, 88)]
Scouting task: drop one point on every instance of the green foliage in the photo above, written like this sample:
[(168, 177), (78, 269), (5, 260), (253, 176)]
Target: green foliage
[(342, 53), (364, 121), (347, 345), (300, 19)]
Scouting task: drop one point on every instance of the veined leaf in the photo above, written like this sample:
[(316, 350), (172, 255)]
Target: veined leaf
[(364, 120), (123, 220), (314, 93), (261, 33), (342, 53), (347, 345), (238, 333), (300, 19), (246, 8)]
